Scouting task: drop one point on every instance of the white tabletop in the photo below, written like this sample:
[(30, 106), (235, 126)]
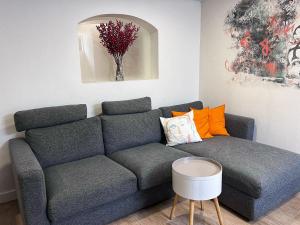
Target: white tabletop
[(197, 167)]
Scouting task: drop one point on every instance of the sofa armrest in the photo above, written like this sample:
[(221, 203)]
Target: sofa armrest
[(30, 182), (239, 126)]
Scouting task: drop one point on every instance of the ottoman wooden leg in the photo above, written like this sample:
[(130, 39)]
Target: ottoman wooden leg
[(173, 207), (192, 205), (201, 206), (218, 211)]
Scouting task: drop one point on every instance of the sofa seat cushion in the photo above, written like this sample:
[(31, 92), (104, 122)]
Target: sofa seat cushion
[(84, 184), (151, 163), (250, 167)]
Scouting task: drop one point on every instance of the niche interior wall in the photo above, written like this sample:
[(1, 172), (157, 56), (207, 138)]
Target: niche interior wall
[(97, 65)]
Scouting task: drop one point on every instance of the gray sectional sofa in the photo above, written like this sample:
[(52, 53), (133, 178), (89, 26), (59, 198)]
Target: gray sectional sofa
[(74, 170)]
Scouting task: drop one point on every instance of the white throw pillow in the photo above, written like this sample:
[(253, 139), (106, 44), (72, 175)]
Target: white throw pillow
[(180, 129)]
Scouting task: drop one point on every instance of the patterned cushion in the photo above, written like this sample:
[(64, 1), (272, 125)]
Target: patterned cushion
[(180, 129)]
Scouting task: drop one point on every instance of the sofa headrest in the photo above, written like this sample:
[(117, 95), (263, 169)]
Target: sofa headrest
[(167, 111), (49, 116), (138, 105)]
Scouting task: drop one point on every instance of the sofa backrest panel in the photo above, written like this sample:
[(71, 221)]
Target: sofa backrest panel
[(67, 142), (49, 116), (131, 130), (167, 111), (126, 107)]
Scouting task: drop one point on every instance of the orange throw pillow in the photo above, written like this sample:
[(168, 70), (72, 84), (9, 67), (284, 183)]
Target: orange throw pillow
[(174, 113), (201, 118), (217, 121), (201, 121)]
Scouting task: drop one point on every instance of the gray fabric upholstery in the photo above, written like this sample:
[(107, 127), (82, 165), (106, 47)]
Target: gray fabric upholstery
[(250, 167), (30, 183), (95, 190), (114, 210), (130, 130), (252, 208), (85, 184), (49, 116), (239, 126), (67, 142), (167, 111), (151, 163), (127, 107)]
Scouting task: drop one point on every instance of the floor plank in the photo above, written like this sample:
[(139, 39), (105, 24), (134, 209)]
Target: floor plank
[(287, 214)]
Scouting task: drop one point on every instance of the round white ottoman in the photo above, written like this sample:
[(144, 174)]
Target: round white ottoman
[(197, 179)]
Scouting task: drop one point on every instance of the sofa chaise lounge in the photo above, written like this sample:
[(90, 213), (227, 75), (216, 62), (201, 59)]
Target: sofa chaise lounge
[(74, 170)]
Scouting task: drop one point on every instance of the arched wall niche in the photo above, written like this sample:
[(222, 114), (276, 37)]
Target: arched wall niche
[(139, 63)]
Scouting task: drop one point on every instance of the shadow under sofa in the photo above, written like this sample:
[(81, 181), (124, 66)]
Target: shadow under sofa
[(72, 170)]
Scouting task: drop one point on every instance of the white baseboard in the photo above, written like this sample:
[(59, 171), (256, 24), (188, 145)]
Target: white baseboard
[(8, 196)]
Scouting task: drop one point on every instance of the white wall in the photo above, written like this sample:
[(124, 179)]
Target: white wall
[(276, 109), (39, 59)]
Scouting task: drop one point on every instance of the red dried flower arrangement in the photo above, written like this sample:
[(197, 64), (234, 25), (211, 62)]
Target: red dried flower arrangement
[(117, 38)]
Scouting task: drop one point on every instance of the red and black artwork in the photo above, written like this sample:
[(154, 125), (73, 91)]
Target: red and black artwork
[(266, 37)]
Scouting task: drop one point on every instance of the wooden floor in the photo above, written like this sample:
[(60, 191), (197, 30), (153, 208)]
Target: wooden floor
[(8, 212), (287, 214)]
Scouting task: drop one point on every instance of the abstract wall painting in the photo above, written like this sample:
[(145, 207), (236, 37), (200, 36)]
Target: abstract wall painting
[(266, 38)]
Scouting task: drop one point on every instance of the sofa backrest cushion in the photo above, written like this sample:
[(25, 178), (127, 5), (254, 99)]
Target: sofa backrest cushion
[(67, 142), (126, 107), (167, 111), (49, 116), (131, 130)]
